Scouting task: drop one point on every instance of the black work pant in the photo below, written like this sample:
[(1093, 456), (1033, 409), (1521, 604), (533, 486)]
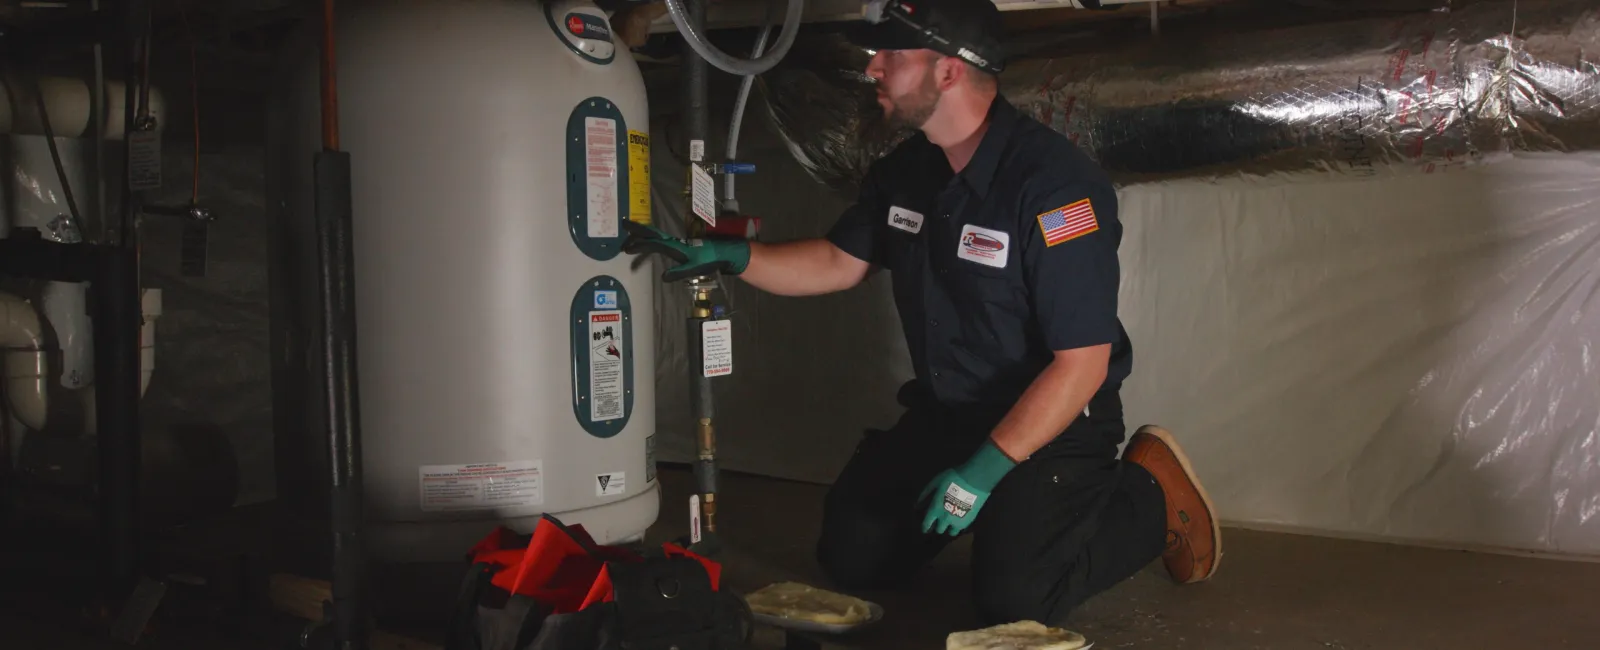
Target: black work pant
[(1067, 523)]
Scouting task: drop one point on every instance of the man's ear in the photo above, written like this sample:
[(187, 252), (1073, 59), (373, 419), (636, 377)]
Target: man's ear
[(947, 72)]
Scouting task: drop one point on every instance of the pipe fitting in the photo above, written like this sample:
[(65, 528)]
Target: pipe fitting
[(26, 364)]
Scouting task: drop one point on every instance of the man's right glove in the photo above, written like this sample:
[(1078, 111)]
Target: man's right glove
[(694, 257)]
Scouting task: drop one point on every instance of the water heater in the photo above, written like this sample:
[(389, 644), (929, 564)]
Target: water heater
[(505, 345)]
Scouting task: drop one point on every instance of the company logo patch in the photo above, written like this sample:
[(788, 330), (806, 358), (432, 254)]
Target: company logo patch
[(1068, 222), (905, 219), (605, 300), (984, 246)]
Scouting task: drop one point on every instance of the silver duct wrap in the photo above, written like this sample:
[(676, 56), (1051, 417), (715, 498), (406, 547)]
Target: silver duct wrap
[(1421, 93)]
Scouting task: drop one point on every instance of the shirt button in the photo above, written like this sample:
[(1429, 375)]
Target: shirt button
[(933, 323)]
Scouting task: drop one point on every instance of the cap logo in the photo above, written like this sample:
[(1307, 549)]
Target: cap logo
[(973, 57)]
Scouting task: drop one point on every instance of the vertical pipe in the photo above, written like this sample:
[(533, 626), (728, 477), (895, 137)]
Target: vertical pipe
[(330, 85), (136, 14), (116, 357), (700, 400), (94, 228), (336, 273), (696, 113), (697, 123)]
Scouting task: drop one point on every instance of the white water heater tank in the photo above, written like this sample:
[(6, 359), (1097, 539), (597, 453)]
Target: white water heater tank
[(505, 345)]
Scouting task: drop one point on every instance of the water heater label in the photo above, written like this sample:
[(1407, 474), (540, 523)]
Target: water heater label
[(605, 365), (481, 486), (610, 485), (639, 176), (600, 158), (716, 346)]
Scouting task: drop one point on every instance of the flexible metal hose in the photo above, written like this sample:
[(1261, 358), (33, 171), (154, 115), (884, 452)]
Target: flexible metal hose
[(743, 67)]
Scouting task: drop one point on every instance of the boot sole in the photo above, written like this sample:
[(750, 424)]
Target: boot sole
[(1211, 510)]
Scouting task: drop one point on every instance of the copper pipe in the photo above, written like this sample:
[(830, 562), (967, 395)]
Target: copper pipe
[(330, 91)]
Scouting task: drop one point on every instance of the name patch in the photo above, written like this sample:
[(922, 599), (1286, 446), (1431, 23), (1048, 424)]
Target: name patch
[(984, 246), (905, 220)]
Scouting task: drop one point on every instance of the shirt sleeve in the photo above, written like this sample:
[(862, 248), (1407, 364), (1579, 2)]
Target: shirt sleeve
[(1071, 236), (859, 230)]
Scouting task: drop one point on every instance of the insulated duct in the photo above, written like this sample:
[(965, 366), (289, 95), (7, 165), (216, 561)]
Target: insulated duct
[(1423, 92)]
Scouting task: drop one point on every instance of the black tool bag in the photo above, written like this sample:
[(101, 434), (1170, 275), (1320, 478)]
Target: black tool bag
[(657, 601)]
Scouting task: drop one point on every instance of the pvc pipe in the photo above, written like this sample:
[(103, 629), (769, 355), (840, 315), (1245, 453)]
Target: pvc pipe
[(70, 105), (26, 366), (66, 307)]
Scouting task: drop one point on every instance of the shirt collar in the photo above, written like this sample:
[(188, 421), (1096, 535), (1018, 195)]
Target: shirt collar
[(979, 172)]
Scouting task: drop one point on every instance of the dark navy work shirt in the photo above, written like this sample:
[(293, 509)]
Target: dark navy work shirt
[(998, 266)]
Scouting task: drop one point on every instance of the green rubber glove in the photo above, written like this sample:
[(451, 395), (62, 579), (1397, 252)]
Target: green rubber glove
[(695, 257), (962, 490)]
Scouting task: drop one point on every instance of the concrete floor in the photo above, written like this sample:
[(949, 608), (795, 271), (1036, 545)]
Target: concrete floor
[(1277, 591), (1273, 591)]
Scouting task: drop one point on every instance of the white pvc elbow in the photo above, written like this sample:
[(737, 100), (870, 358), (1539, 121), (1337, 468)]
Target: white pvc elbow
[(26, 365)]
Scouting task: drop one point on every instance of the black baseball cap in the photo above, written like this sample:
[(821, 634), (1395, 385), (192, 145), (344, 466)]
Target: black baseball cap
[(970, 30)]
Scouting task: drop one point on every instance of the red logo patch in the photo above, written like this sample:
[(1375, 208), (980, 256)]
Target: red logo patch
[(975, 241)]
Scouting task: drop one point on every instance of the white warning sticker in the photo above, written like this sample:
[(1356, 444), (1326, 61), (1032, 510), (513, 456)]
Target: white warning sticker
[(480, 486), (705, 194), (716, 346), (610, 485), (144, 157), (600, 159), (697, 150), (605, 365)]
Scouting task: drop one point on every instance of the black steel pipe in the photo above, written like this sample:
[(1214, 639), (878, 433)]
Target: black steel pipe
[(117, 318), (702, 404), (698, 114), (336, 272)]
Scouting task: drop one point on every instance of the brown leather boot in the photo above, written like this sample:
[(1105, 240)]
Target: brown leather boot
[(1194, 538)]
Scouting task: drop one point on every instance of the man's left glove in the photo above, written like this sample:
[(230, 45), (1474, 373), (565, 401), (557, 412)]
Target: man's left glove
[(695, 257), (959, 492)]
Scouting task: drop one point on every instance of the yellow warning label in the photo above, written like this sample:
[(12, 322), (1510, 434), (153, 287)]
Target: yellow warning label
[(639, 177)]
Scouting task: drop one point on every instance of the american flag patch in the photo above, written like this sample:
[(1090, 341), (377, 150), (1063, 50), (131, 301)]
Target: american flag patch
[(1068, 222)]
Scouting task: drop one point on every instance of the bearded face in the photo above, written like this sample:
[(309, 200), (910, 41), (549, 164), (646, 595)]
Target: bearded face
[(907, 91)]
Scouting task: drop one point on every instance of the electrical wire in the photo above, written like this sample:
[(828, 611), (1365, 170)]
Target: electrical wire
[(55, 153), (194, 96)]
